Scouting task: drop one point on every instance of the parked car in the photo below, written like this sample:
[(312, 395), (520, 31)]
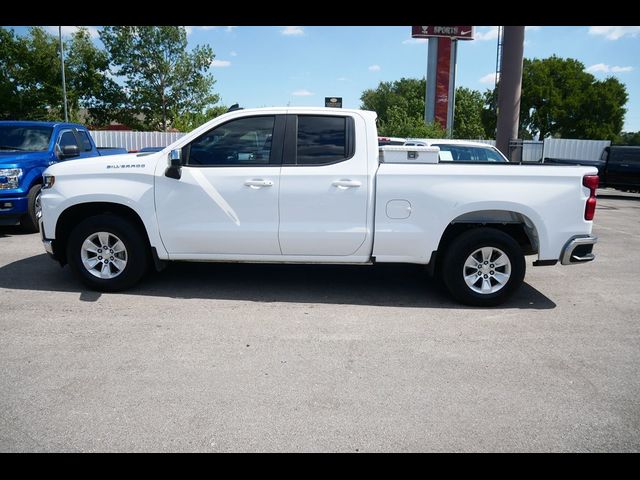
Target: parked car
[(26, 150), (461, 150), (306, 185), (618, 167), (382, 141)]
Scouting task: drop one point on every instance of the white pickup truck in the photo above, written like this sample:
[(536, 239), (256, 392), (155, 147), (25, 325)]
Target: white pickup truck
[(311, 185)]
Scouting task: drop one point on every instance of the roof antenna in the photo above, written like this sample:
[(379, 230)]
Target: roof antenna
[(233, 107)]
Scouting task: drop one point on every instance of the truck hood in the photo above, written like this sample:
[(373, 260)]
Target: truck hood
[(126, 163), (9, 159)]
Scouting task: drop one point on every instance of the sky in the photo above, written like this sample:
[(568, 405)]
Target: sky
[(299, 66)]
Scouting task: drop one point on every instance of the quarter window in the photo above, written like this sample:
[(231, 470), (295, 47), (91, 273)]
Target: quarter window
[(67, 138), (84, 140), (321, 139), (245, 141)]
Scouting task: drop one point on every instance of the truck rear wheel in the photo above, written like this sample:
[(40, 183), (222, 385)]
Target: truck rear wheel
[(483, 267), (29, 221), (107, 252)]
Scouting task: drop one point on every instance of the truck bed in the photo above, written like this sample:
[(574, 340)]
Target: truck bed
[(548, 199)]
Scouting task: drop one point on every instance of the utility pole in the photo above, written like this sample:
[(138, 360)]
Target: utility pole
[(430, 94), (510, 87), (64, 84)]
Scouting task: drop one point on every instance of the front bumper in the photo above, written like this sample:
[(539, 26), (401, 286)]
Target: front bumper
[(13, 206), (46, 243), (578, 250)]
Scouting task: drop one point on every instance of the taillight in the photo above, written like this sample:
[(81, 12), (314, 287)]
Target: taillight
[(591, 182)]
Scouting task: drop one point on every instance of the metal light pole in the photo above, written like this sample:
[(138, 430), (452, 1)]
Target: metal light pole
[(64, 84)]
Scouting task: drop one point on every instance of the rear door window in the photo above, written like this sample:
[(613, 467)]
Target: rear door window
[(322, 140)]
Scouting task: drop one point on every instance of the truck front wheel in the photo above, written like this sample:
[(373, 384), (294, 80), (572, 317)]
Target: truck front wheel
[(483, 267), (107, 252), (29, 221)]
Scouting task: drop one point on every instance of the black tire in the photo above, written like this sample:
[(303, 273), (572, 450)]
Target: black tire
[(29, 221), (128, 233), (459, 251)]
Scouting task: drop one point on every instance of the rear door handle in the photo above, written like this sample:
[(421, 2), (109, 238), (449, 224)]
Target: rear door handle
[(346, 183), (258, 183)]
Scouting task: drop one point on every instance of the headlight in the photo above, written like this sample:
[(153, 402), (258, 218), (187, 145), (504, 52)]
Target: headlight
[(48, 181), (10, 178)]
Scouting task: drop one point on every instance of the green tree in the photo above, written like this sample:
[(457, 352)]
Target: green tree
[(628, 138), (90, 85), (468, 114), (188, 121), (406, 94), (10, 51), (400, 109), (399, 124), (31, 80), (561, 99), (163, 79), (31, 86), (488, 114)]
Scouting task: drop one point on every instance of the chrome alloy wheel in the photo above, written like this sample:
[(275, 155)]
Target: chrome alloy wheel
[(487, 270), (103, 255)]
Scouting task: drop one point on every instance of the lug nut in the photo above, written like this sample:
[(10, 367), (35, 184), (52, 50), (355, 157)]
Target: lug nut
[(491, 272), (99, 258), (486, 276), (486, 263)]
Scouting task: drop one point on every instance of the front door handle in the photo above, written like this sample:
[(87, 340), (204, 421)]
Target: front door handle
[(258, 183), (346, 183)]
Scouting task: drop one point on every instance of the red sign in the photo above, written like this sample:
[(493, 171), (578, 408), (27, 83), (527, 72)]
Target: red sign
[(454, 32), (443, 70)]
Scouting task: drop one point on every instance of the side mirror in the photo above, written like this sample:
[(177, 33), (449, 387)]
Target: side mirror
[(175, 158), (70, 151), (175, 163)]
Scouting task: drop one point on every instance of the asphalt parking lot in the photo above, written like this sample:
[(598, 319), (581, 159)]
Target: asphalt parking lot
[(210, 357)]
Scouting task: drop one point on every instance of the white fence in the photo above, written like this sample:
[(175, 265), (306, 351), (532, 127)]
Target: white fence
[(133, 140), (536, 151), (574, 149)]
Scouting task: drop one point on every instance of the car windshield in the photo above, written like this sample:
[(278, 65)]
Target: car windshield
[(24, 139), (465, 153)]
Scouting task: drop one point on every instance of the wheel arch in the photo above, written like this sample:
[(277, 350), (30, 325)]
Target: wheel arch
[(75, 214), (514, 223)]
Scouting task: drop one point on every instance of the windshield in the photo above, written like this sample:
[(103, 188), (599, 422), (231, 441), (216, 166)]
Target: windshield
[(24, 139)]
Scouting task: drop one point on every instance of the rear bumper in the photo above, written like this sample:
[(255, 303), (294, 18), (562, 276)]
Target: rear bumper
[(578, 250)]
